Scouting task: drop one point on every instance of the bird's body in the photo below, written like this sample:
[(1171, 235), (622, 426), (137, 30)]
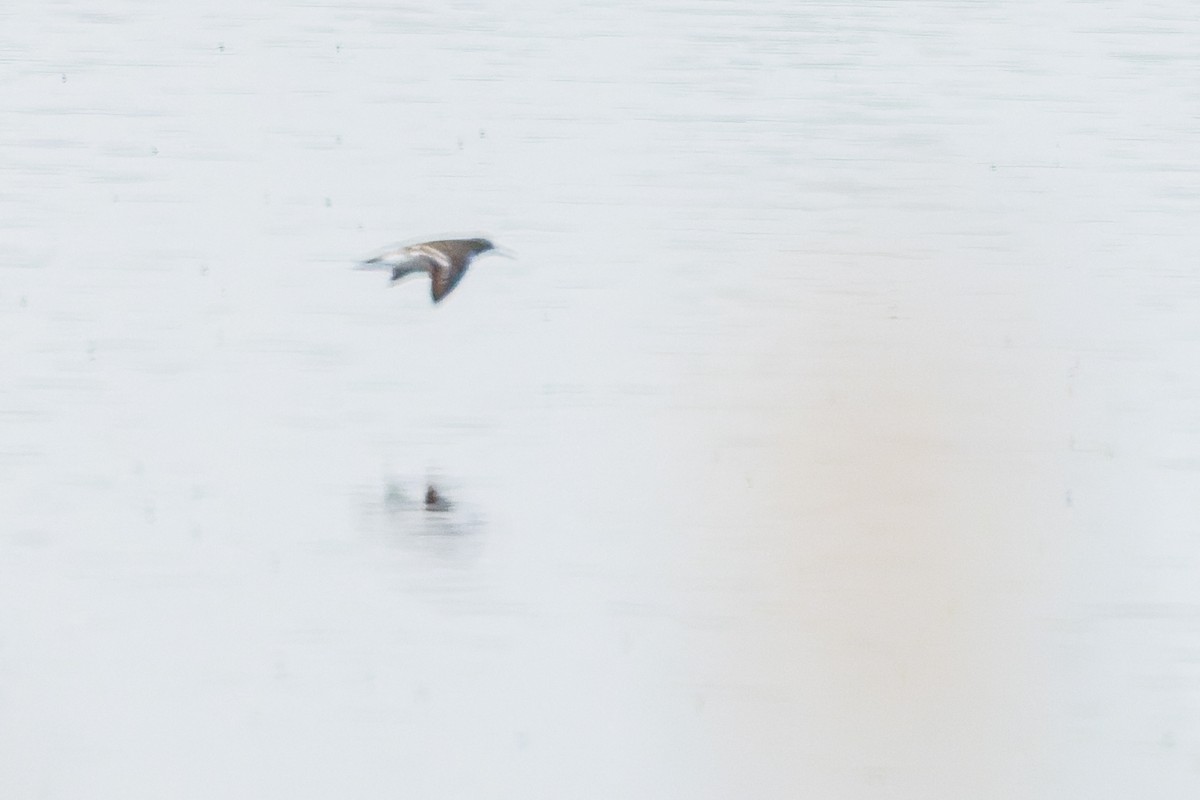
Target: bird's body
[(446, 261)]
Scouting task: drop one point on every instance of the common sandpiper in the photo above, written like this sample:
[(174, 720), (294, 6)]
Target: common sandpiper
[(446, 261)]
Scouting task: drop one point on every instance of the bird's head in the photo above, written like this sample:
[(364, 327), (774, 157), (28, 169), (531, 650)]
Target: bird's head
[(480, 246)]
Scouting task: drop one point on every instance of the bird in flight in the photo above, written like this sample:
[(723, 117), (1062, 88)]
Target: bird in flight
[(446, 261)]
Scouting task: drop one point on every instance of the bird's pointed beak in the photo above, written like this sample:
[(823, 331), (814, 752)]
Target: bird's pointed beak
[(504, 251), (371, 264)]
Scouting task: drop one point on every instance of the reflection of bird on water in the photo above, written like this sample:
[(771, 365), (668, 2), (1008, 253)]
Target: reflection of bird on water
[(446, 261), (434, 501)]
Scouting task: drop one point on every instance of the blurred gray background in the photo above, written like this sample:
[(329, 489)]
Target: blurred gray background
[(834, 433)]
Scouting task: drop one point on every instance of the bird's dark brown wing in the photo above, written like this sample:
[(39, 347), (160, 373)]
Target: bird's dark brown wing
[(444, 278)]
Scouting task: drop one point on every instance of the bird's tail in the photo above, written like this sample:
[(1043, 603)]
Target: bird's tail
[(376, 263)]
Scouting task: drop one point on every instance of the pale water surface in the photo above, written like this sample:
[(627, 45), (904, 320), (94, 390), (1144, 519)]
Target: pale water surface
[(834, 434)]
